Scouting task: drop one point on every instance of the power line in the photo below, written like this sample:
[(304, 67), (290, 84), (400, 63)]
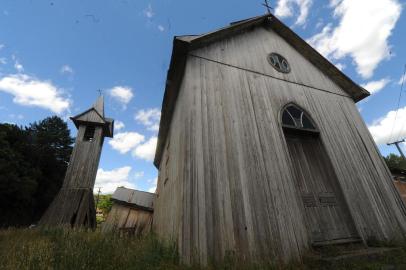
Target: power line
[(397, 109)]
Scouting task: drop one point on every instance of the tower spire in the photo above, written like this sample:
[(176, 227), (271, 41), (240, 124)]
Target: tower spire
[(74, 204), (99, 105)]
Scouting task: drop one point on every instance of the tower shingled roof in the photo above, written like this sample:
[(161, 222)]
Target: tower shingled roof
[(99, 105)]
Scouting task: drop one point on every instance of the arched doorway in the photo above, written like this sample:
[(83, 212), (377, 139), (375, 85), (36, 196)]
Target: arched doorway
[(328, 219)]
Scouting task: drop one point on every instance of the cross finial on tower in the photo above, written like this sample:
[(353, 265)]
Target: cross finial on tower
[(268, 7), (100, 92)]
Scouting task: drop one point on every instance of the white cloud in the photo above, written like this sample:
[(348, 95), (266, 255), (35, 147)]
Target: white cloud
[(146, 150), (122, 94), (285, 8), (138, 175), (125, 141), (362, 33), (375, 86), (29, 91), (340, 66), (16, 116), (118, 125), (334, 3), (108, 181), (3, 60), (383, 130), (154, 183), (149, 118), (66, 69), (19, 67), (148, 12), (2, 46), (161, 28), (402, 79)]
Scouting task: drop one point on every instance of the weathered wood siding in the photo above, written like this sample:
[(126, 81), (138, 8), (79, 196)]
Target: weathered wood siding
[(84, 161), (226, 178), (74, 204), (124, 217)]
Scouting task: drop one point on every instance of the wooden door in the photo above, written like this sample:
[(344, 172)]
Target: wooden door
[(327, 216)]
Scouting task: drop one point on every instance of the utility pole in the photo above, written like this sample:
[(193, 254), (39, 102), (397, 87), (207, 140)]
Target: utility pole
[(398, 147), (97, 198)]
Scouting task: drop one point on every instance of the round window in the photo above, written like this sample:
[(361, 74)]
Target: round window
[(279, 62)]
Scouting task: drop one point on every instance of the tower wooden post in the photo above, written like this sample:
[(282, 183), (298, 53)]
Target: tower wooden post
[(74, 204)]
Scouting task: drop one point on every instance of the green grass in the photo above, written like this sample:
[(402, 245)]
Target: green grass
[(79, 249)]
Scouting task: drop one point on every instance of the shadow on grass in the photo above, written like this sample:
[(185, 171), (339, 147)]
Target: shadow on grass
[(80, 249)]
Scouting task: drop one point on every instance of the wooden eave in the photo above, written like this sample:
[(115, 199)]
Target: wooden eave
[(133, 205), (75, 118), (173, 81), (107, 122), (183, 44)]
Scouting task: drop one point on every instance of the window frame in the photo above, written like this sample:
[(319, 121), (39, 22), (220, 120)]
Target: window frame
[(86, 137), (297, 128), (278, 65)]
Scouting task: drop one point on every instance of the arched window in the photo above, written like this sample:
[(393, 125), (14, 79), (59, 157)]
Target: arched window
[(295, 117)]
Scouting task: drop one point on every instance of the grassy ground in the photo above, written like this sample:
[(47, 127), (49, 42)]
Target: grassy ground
[(69, 249), (75, 249)]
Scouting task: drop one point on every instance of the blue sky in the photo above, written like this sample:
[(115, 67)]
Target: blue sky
[(56, 54)]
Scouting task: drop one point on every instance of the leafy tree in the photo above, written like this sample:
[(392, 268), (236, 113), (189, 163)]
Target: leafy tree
[(33, 162), (52, 145), (18, 178), (395, 163), (105, 204)]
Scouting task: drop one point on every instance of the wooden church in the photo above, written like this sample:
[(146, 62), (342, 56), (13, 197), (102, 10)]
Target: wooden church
[(262, 151), (74, 204)]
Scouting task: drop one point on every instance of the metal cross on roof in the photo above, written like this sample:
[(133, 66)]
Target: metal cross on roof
[(268, 7), (100, 92)]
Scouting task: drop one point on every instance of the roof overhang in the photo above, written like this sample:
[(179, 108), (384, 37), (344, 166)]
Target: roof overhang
[(108, 123), (183, 44), (133, 205)]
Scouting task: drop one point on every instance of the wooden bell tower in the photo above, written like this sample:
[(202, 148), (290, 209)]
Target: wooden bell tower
[(74, 204)]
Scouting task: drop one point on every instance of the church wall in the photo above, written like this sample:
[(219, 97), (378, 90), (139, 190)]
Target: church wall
[(215, 199), (170, 185), (226, 179), (249, 50)]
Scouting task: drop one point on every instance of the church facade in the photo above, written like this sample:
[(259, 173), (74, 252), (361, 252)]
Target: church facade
[(262, 151)]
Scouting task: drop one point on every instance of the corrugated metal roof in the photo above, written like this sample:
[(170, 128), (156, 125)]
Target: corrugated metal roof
[(138, 198)]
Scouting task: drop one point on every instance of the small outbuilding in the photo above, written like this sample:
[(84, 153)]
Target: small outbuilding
[(131, 212)]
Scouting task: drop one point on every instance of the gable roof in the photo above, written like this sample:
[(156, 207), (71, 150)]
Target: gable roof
[(95, 116), (183, 44), (90, 115), (135, 198)]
